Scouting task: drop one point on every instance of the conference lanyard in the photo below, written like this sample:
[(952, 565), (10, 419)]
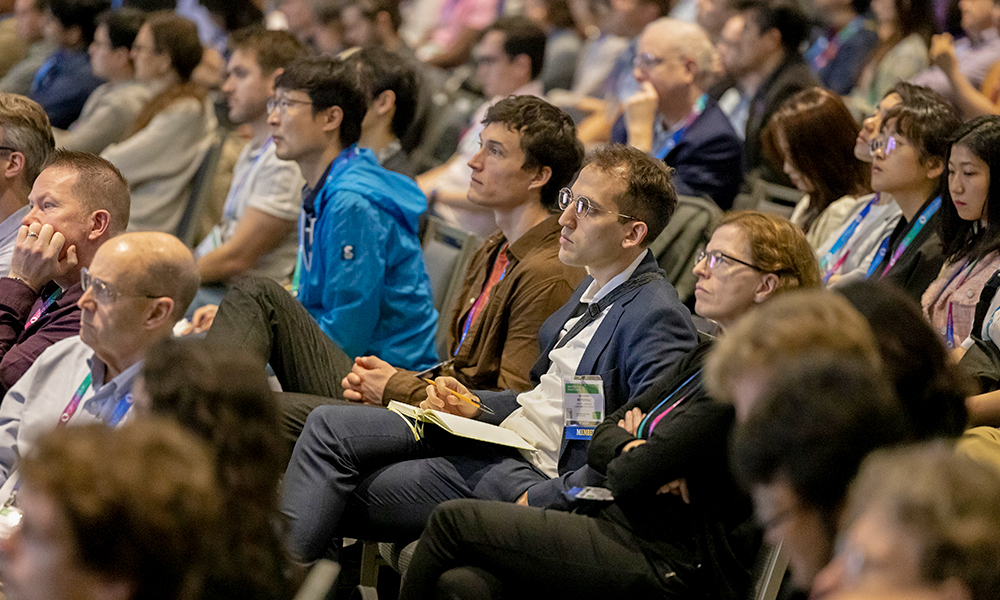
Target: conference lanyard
[(844, 238), (646, 426), (950, 327), (903, 245), (673, 140), (45, 306), (116, 415)]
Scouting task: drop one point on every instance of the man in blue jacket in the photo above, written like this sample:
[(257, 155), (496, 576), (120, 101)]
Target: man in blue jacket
[(363, 472), (360, 274)]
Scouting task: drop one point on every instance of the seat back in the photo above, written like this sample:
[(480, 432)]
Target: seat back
[(321, 579), (772, 563), (201, 189), (447, 251), (676, 249), (773, 198)]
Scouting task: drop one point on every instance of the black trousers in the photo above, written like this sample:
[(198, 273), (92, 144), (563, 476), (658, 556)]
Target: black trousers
[(261, 317), (478, 549)]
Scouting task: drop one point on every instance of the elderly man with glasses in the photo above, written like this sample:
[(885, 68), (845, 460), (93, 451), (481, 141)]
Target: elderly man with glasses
[(358, 471), (137, 286)]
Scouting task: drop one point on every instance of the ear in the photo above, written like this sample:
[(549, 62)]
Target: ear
[(774, 36), (635, 234), (272, 79), (768, 284), (15, 166), (385, 103), (384, 21), (523, 62), (160, 314), (542, 176), (690, 68), (100, 224), (953, 589), (935, 167), (331, 119)]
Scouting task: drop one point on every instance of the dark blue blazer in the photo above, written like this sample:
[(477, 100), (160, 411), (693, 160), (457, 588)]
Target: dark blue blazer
[(645, 332)]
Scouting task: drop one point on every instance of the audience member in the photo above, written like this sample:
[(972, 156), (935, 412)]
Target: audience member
[(971, 100), (224, 400), (65, 80), (78, 202), (515, 280), (174, 130), (800, 447), (905, 28), (968, 230), (562, 44), (974, 54), (712, 15), (638, 327), (374, 23), (908, 159), (257, 233), (600, 52), (110, 112), (918, 519), (672, 117), (832, 178), (768, 69), (394, 91), (848, 39), (360, 273), (29, 16), (136, 288), (509, 61), (460, 24), (133, 514), (25, 141), (301, 20), (13, 48)]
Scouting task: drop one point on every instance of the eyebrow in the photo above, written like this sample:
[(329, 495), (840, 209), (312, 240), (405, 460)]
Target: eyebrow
[(492, 144)]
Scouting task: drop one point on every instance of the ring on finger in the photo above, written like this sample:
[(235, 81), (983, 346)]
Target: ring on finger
[(32, 234)]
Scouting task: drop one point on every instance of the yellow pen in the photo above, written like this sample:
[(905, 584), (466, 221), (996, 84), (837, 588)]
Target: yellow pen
[(460, 396)]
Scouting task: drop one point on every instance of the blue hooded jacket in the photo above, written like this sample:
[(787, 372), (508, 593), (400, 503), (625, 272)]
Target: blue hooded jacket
[(362, 274)]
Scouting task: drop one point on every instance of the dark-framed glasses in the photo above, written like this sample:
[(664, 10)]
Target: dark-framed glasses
[(717, 257), (282, 104), (584, 205), (8, 149), (104, 292)]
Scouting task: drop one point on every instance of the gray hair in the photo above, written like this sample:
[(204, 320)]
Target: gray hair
[(24, 126)]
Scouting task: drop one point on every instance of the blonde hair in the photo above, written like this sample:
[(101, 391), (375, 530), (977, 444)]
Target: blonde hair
[(778, 246)]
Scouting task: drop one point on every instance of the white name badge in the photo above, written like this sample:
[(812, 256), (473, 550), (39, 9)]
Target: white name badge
[(583, 406)]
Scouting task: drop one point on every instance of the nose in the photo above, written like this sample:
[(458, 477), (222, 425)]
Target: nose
[(227, 86), (86, 301), (700, 268), (273, 117), (476, 162), (31, 217), (568, 216)]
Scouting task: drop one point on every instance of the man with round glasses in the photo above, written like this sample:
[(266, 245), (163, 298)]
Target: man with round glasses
[(138, 285)]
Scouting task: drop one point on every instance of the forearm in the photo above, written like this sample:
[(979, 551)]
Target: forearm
[(224, 263), (971, 102), (984, 409)]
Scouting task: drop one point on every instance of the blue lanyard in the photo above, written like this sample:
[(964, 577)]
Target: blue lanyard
[(74, 403), (671, 143), (645, 420), (903, 245), (846, 235)]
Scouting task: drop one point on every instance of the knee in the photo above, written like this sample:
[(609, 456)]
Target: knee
[(468, 582), (451, 518)]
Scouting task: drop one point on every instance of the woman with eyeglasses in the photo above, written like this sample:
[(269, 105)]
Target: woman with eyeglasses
[(677, 527), (173, 132)]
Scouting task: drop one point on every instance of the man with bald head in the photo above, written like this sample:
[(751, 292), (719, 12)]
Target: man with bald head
[(671, 117), (136, 288), (78, 202)]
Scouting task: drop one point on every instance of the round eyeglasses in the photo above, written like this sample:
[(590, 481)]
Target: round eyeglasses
[(584, 205)]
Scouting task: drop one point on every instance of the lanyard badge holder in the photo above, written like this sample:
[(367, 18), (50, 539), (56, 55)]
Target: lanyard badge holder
[(583, 405)]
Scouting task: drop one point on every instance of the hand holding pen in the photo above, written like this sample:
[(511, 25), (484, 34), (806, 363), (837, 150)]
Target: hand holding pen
[(446, 394)]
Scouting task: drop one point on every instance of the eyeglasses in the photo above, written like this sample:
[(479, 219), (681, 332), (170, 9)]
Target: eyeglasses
[(8, 149), (104, 292), (885, 144), (486, 60), (715, 257), (647, 61), (584, 205), (282, 104)]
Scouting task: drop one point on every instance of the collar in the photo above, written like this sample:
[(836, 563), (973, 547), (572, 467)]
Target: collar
[(258, 145), (594, 295), (390, 149), (309, 194), (534, 237), (123, 379)]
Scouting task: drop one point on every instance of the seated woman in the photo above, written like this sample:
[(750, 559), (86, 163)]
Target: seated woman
[(829, 174), (173, 132), (969, 230), (904, 31), (665, 458)]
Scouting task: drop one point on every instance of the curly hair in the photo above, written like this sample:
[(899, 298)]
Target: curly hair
[(778, 246)]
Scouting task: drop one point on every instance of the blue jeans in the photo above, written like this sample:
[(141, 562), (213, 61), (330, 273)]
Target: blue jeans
[(358, 471)]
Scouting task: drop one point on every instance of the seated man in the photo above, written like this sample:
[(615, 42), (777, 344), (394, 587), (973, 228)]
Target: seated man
[(359, 471), (257, 233), (29, 16), (515, 280), (65, 81), (841, 51), (137, 287), (77, 203), (360, 272), (673, 119), (26, 141)]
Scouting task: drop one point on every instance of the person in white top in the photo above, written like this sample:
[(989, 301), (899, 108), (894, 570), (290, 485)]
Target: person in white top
[(25, 143)]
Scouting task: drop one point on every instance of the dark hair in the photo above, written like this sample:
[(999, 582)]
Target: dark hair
[(649, 193), (910, 93), (522, 36), (388, 71), (330, 82), (236, 14), (79, 13), (140, 502), (99, 185), (558, 14), (25, 127), (787, 18), (969, 239), (371, 8), (818, 418), (913, 16), (931, 388), (818, 114), (928, 121), (273, 49), (548, 139), (225, 400), (123, 25), (178, 38)]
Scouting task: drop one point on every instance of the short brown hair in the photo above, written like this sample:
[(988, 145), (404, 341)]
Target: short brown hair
[(778, 246), (99, 185), (274, 49), (649, 193), (25, 127)]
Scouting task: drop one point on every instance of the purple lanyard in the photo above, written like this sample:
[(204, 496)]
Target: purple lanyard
[(45, 306), (917, 227)]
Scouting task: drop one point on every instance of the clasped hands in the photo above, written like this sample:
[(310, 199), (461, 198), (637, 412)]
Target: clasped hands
[(38, 256), (630, 423)]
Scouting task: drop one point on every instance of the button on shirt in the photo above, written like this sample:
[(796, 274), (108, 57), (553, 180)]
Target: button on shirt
[(33, 405), (539, 420)]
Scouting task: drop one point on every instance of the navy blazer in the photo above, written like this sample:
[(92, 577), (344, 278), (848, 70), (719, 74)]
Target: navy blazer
[(643, 333), (707, 161)]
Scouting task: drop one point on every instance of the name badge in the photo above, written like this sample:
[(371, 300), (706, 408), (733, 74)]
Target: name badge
[(583, 406)]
